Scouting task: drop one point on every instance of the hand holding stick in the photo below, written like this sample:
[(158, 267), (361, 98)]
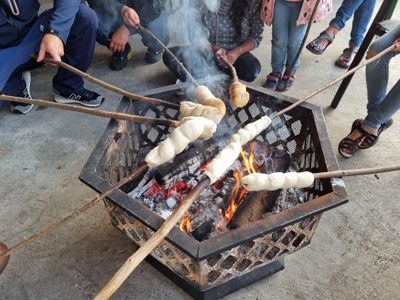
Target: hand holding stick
[(91, 111)]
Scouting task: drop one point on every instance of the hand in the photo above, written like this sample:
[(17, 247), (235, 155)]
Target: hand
[(119, 39), (51, 48), (130, 17), (233, 55), (220, 54), (396, 44)]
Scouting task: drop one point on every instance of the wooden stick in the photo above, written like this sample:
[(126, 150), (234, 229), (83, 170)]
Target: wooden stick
[(348, 73), (146, 31), (235, 78), (133, 261), (91, 111), (45, 231), (355, 172), (109, 86)]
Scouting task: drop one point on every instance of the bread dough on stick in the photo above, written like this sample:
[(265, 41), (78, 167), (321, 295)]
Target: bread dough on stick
[(188, 109), (188, 131), (276, 181), (221, 163), (238, 94), (205, 97), (251, 130)]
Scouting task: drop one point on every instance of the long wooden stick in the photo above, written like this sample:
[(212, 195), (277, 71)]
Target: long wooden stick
[(133, 261), (356, 172), (45, 231), (109, 86), (91, 111), (146, 31), (340, 78)]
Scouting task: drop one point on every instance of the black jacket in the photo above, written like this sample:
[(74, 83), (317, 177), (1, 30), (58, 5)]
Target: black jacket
[(14, 27)]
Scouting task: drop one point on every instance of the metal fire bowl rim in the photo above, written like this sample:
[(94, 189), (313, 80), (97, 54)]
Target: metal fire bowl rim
[(207, 248)]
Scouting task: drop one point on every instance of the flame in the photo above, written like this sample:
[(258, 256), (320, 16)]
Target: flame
[(238, 192), (185, 224)]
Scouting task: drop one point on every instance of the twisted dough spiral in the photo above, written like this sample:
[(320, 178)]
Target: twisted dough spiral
[(276, 181), (188, 131), (251, 130)]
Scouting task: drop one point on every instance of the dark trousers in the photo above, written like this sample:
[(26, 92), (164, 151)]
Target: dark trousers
[(78, 51), (156, 23), (201, 63)]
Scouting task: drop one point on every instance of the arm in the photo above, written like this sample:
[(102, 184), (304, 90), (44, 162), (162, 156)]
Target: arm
[(60, 23)]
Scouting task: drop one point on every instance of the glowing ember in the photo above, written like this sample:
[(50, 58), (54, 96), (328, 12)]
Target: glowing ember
[(185, 224)]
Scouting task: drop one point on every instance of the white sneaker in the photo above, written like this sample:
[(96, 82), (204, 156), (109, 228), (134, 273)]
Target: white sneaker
[(21, 108)]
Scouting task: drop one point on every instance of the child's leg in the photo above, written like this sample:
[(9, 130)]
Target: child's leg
[(296, 35), (280, 32)]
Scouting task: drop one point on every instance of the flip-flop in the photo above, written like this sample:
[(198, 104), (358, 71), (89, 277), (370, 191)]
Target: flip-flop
[(313, 46)]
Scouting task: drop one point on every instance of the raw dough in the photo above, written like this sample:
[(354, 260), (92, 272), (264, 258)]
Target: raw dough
[(251, 130), (188, 131), (276, 181), (188, 109)]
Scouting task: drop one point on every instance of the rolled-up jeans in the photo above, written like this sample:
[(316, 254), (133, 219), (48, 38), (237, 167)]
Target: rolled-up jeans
[(381, 105), (362, 11)]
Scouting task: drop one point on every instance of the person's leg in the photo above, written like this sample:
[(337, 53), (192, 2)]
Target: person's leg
[(247, 67), (296, 35), (159, 27), (361, 19), (344, 13), (198, 63), (377, 72), (280, 33), (79, 50)]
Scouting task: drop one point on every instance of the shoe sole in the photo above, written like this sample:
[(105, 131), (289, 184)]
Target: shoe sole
[(63, 100)]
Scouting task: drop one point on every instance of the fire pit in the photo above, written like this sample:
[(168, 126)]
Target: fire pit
[(215, 251)]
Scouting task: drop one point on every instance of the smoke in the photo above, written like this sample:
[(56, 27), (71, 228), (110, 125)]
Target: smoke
[(187, 31)]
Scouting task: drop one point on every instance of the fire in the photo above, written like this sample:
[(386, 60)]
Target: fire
[(238, 193), (185, 224)]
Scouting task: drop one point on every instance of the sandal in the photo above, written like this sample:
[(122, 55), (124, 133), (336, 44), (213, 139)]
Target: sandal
[(313, 46), (371, 139), (272, 80), (286, 82), (352, 146), (344, 61)]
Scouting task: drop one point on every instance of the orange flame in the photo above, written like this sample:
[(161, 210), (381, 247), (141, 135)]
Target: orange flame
[(238, 193), (185, 224)]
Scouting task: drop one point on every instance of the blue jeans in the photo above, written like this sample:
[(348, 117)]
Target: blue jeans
[(362, 11), (286, 35), (381, 105), (156, 23), (78, 50)]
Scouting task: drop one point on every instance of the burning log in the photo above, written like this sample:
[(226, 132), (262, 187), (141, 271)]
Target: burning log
[(255, 204)]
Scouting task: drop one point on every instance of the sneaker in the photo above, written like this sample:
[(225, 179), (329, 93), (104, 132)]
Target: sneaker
[(272, 80), (84, 97), (119, 60), (21, 108), (153, 56)]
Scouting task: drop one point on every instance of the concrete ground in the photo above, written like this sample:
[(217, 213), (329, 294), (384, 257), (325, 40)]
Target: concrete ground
[(354, 254)]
